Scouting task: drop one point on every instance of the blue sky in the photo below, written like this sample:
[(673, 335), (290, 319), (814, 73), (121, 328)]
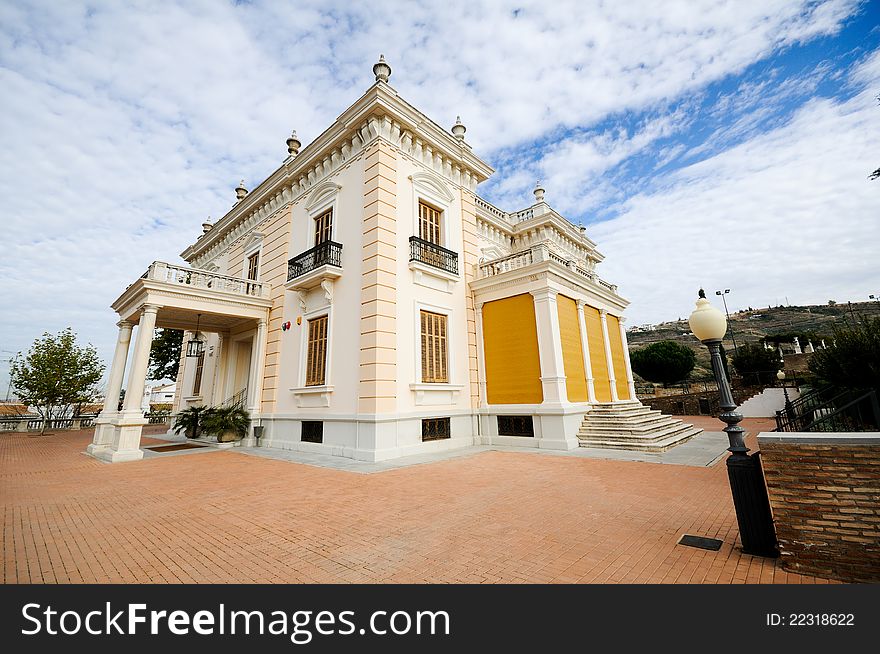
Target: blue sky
[(702, 142)]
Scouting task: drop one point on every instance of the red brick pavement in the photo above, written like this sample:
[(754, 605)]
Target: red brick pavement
[(493, 517)]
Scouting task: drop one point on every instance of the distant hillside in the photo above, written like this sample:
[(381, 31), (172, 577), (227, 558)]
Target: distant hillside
[(816, 321)]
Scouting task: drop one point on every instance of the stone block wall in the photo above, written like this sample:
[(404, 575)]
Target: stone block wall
[(825, 495)]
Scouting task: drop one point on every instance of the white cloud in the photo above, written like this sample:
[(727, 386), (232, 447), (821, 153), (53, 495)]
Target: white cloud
[(127, 124), (789, 213)]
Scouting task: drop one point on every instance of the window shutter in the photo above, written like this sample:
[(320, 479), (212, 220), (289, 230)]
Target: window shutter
[(316, 358), (434, 348)]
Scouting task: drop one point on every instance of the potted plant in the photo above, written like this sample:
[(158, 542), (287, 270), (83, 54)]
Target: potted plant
[(189, 421), (227, 422)]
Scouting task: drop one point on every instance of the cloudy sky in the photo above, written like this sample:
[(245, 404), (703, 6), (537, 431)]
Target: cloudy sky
[(724, 144)]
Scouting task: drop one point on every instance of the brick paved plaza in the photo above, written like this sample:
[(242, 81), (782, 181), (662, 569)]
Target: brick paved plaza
[(492, 517)]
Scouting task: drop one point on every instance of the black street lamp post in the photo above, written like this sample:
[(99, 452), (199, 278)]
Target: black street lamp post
[(750, 500)]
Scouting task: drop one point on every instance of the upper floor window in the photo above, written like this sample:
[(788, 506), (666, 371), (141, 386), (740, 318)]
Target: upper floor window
[(434, 348), (429, 223), (324, 227), (316, 357), (253, 269)]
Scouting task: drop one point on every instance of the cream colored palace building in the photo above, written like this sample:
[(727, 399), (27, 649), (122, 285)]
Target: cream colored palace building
[(364, 301)]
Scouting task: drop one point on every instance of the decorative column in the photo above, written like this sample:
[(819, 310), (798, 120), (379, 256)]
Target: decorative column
[(629, 373), (140, 362), (611, 380), (255, 378), (585, 349), (103, 437), (550, 348), (129, 423)]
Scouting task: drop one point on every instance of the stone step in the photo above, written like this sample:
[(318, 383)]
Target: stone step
[(658, 445), (650, 432), (632, 426), (641, 419), (630, 433)]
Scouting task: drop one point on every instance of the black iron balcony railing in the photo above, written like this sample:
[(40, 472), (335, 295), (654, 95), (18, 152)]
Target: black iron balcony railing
[(328, 253), (433, 255)]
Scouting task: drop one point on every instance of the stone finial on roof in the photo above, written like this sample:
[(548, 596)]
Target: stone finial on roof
[(207, 226), (293, 144), (459, 129), (240, 191), (382, 70), (539, 191)]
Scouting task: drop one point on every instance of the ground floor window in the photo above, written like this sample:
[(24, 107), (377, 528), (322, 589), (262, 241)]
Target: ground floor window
[(312, 431), (515, 426), (434, 348), (316, 358), (435, 429)]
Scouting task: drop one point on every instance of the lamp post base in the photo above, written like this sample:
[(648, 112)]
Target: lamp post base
[(752, 505)]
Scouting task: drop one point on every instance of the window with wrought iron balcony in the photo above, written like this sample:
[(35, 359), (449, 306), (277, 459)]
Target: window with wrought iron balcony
[(426, 249), (319, 263)]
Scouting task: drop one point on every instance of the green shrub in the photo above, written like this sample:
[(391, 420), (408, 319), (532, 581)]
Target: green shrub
[(665, 362), (852, 360)]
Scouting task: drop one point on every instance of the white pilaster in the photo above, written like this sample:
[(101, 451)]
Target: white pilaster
[(255, 378), (550, 348), (585, 349), (481, 356), (604, 316), (104, 428), (629, 373)]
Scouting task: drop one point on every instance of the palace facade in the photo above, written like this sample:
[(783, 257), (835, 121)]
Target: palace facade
[(364, 301)]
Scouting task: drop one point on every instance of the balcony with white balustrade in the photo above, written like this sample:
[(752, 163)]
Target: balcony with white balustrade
[(187, 296)]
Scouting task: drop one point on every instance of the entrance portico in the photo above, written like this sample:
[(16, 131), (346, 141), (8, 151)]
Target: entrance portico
[(175, 297)]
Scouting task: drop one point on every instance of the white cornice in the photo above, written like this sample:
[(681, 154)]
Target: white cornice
[(379, 113)]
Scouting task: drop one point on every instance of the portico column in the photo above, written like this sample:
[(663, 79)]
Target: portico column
[(140, 362), (127, 435), (255, 379), (629, 373), (550, 347), (612, 382), (585, 349), (103, 437)]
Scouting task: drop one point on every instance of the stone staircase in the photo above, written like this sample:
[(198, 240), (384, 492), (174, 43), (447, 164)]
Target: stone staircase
[(632, 426)]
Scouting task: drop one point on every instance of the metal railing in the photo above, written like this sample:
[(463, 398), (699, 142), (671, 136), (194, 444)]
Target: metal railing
[(328, 253), (157, 417), (831, 410), (432, 255), (239, 399)]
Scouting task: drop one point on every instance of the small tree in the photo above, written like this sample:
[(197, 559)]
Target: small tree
[(56, 375), (165, 354), (753, 361), (853, 361), (665, 362)]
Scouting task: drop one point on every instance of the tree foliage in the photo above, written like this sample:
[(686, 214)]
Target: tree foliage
[(56, 375), (165, 354), (853, 358), (756, 363), (664, 362)]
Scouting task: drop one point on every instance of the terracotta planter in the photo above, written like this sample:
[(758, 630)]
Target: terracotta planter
[(226, 437)]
